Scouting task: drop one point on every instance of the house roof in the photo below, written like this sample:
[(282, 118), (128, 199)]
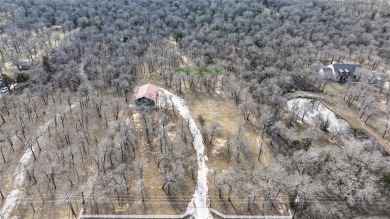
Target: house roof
[(327, 70), (344, 67), (317, 67), (148, 91), (327, 73)]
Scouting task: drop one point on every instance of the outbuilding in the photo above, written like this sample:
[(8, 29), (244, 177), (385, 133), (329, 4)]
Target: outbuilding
[(146, 96)]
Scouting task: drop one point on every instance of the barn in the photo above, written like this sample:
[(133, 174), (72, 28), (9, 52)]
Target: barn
[(146, 96)]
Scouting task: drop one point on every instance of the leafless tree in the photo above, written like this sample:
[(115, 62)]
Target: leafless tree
[(265, 122)]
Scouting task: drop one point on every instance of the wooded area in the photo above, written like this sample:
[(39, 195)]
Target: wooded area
[(70, 143)]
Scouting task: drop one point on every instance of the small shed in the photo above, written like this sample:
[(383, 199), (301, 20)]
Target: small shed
[(146, 95), (24, 65)]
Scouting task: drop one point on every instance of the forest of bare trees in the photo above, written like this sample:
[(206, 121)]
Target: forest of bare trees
[(93, 153)]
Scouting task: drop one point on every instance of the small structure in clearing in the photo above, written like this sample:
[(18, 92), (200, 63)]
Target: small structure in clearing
[(146, 96)]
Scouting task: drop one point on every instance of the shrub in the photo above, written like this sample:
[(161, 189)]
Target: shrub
[(304, 144), (22, 77), (201, 120), (386, 179)]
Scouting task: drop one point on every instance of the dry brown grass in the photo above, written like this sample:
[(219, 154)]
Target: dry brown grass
[(222, 108), (214, 107)]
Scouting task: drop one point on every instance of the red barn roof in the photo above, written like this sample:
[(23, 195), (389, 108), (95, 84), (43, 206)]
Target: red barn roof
[(148, 91)]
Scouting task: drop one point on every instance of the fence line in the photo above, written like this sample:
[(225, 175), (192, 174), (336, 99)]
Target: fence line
[(217, 213), (134, 216)]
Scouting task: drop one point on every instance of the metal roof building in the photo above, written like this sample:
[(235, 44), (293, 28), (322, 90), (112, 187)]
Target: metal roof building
[(146, 95)]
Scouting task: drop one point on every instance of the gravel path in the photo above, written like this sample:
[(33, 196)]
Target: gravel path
[(198, 205)]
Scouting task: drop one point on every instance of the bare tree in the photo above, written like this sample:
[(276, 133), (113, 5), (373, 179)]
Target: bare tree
[(141, 188), (265, 122), (386, 125), (214, 129)]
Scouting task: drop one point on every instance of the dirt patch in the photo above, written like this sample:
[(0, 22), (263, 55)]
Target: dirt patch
[(214, 107), (219, 144)]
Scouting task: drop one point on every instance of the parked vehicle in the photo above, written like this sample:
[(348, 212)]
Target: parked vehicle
[(4, 90)]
